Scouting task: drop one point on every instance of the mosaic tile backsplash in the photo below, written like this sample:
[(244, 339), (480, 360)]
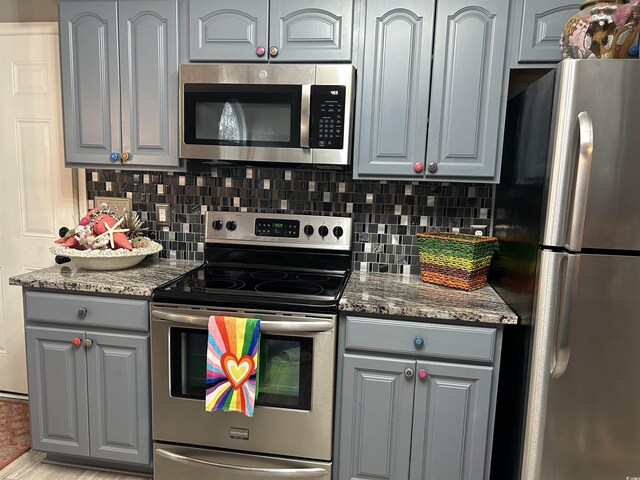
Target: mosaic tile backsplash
[(386, 214)]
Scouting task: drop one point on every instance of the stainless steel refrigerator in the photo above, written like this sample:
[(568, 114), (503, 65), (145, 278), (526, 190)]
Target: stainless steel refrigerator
[(568, 220)]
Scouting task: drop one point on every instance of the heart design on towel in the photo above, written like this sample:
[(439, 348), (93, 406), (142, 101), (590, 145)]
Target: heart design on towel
[(237, 371)]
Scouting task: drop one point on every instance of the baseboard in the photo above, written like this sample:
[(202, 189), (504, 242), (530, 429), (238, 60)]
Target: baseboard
[(13, 396)]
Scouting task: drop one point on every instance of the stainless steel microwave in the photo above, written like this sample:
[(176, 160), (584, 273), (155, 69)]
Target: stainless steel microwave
[(299, 114)]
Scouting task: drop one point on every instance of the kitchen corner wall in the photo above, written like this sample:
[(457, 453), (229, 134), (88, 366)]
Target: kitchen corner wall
[(386, 214)]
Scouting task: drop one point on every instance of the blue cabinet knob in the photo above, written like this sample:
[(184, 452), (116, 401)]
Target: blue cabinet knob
[(418, 341), (114, 157)]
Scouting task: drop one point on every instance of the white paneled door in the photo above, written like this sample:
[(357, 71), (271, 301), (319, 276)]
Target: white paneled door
[(36, 191)]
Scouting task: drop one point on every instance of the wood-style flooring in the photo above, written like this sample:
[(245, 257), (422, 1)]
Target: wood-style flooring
[(30, 467)]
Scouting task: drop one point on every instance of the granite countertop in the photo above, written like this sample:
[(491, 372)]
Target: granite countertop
[(136, 281), (385, 294)]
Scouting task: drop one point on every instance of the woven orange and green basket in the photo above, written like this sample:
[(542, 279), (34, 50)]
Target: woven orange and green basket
[(456, 260)]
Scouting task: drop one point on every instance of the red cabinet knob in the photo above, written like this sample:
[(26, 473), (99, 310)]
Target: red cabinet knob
[(418, 167), (260, 51), (422, 374), (77, 341)]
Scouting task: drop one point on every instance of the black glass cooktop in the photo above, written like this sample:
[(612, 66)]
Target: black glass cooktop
[(259, 278)]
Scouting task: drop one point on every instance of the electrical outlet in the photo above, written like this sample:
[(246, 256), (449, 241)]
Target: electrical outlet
[(163, 213), (118, 206)]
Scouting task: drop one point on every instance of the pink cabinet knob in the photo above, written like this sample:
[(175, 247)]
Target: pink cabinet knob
[(422, 374), (260, 51), (418, 167), (77, 341)]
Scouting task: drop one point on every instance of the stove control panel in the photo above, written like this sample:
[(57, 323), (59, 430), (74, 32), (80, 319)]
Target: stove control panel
[(304, 231)]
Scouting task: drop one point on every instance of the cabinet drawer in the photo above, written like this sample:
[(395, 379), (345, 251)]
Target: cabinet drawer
[(100, 311), (439, 341)]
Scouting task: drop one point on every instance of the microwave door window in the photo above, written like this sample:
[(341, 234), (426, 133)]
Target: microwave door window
[(243, 118)]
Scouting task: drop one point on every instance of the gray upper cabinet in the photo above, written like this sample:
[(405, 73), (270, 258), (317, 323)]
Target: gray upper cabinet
[(423, 119), (89, 388), (536, 31), (467, 89), (90, 81), (228, 30), (277, 31), (119, 62), (393, 84)]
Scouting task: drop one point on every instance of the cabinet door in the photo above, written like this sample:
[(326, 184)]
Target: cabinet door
[(90, 81), (451, 421), (541, 29), (311, 31), (228, 30), (148, 33), (118, 384), (375, 431), (57, 391), (393, 81), (467, 93)]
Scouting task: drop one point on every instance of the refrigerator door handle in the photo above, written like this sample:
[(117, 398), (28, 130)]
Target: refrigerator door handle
[(562, 350), (585, 158)]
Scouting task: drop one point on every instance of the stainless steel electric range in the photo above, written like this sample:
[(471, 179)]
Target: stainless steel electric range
[(289, 271)]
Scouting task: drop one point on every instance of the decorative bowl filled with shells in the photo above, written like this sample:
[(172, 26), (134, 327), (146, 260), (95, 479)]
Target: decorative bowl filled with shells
[(101, 241)]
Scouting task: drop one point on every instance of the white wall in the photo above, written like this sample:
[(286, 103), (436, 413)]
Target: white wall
[(28, 11)]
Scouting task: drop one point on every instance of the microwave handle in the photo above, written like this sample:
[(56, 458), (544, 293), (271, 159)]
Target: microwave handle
[(305, 116)]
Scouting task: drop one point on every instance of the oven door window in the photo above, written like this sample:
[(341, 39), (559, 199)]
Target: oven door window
[(284, 368), (242, 115)]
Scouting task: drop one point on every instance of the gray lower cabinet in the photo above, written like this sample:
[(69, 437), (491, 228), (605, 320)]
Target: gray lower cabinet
[(413, 407), (537, 26), (88, 388), (119, 62), (276, 30), (420, 122)]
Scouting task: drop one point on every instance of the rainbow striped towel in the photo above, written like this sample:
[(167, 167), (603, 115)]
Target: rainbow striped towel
[(232, 363)]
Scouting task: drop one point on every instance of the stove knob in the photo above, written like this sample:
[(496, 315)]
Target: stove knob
[(217, 225), (338, 231), (231, 225), (323, 231), (308, 230)]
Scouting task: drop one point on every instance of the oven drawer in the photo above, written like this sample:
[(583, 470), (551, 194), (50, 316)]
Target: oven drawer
[(172, 462), (421, 339), (86, 310)]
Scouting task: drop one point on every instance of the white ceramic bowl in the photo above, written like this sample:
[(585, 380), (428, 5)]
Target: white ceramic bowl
[(106, 259)]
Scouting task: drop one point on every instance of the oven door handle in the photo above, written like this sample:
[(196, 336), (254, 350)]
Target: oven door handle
[(314, 472), (267, 326)]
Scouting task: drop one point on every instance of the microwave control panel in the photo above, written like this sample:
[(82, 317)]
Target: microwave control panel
[(327, 116)]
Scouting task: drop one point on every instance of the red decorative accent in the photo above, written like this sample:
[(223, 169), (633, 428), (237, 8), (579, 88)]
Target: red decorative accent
[(119, 239), (237, 371), (76, 341), (418, 167), (422, 374), (70, 242)]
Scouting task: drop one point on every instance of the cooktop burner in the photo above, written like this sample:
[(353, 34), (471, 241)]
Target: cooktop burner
[(258, 262)]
